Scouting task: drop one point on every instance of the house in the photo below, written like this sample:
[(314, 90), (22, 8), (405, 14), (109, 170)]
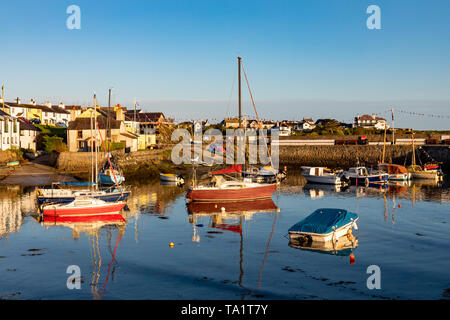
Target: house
[(233, 123), (46, 113), (80, 134), (9, 131), (284, 130), (74, 111), (370, 121), (305, 125), (28, 134)]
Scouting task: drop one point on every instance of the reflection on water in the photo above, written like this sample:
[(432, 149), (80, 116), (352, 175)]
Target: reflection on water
[(230, 250)]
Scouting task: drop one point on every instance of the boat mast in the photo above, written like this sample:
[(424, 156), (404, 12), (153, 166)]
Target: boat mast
[(92, 153), (384, 144), (96, 147), (108, 126), (239, 86), (393, 130), (413, 151)]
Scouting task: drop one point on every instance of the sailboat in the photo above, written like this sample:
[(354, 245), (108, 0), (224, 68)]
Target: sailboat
[(236, 189), (417, 171), (396, 172), (55, 194)]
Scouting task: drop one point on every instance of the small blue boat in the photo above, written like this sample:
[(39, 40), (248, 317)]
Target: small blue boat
[(109, 176), (326, 224), (361, 176)]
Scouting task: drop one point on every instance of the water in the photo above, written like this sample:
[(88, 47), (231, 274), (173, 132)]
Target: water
[(403, 230)]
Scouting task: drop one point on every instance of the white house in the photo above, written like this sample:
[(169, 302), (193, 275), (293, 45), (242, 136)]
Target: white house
[(9, 132), (370, 121), (306, 124), (28, 134)]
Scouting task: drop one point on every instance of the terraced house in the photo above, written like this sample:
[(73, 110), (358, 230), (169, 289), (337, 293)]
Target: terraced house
[(47, 113), (9, 132)]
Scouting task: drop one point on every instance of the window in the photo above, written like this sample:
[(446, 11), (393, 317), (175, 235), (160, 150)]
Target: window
[(15, 127), (80, 133), (6, 125)]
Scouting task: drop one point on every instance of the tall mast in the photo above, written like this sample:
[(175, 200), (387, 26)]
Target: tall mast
[(413, 151), (239, 80), (92, 152), (107, 119), (96, 146), (393, 130), (384, 144)]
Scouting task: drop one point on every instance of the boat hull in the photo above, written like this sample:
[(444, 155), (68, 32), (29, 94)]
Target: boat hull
[(83, 211), (250, 193), (323, 179), (113, 197), (383, 178), (430, 175), (109, 180)]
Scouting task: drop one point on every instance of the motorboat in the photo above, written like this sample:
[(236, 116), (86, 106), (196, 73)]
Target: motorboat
[(111, 176), (323, 225), (360, 175), (323, 175), (344, 245), (83, 206), (171, 177)]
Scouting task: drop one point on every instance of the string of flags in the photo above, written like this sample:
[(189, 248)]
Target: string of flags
[(428, 155), (423, 114)]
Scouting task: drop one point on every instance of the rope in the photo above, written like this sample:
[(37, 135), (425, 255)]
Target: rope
[(107, 155)]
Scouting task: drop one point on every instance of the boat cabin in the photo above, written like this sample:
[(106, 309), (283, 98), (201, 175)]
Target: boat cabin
[(359, 171)]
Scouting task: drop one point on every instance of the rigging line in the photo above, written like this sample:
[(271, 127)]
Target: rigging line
[(267, 250), (231, 94), (257, 116)]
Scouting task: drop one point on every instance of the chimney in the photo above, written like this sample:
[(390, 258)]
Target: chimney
[(61, 105), (17, 100), (119, 115), (373, 116), (32, 102), (48, 104)]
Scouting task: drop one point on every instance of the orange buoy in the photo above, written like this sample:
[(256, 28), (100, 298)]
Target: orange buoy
[(171, 244), (399, 205), (352, 258)]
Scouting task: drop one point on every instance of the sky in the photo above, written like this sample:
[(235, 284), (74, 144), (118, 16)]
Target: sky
[(302, 58)]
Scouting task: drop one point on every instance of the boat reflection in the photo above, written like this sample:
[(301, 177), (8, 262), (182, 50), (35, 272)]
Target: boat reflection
[(91, 226), (315, 190), (343, 247)]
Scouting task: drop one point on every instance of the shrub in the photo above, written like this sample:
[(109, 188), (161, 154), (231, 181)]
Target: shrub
[(53, 143)]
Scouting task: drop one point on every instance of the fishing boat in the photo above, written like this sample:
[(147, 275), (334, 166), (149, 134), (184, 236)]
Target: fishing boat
[(171, 177), (323, 175), (82, 207), (324, 225), (360, 175), (396, 172), (59, 195), (230, 191)]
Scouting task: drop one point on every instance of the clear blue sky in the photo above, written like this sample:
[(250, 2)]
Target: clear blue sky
[(303, 58)]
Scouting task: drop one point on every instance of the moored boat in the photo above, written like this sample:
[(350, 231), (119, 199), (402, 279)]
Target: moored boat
[(396, 172), (83, 206), (323, 175), (360, 175), (230, 191), (324, 225), (171, 177), (56, 195), (110, 176)]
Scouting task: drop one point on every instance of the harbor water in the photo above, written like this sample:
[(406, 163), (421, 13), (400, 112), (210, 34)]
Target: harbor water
[(166, 249)]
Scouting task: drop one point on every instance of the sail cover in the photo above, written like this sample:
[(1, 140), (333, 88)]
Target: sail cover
[(392, 168), (323, 220), (237, 168)]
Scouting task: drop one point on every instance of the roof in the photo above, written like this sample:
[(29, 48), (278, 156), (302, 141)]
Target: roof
[(30, 106), (73, 108), (85, 123), (27, 126), (143, 116), (369, 117), (57, 109)]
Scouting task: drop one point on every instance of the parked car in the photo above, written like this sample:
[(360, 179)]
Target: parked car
[(35, 121), (61, 124)]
